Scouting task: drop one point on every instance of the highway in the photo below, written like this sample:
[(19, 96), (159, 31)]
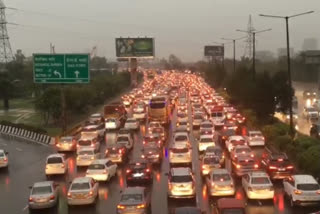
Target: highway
[(27, 166)]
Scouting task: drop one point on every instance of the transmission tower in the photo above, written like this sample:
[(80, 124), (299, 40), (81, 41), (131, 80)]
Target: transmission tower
[(249, 41), (5, 47)]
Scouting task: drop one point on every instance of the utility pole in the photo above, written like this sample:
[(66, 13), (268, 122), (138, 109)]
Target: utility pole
[(254, 49), (288, 60), (234, 50)]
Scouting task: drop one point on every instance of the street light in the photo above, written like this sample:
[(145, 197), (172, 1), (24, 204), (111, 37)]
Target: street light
[(254, 48), (288, 59), (234, 50)]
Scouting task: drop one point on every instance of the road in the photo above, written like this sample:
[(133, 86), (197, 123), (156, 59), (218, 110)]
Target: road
[(27, 166)]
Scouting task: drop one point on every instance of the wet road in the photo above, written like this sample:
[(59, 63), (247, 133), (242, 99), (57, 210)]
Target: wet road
[(27, 163)]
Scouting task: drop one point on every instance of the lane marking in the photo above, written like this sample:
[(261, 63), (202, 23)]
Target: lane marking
[(4, 144), (26, 207), (18, 149)]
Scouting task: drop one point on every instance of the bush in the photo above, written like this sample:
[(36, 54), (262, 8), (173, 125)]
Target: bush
[(305, 142), (282, 142), (309, 159), (277, 129), (251, 118)]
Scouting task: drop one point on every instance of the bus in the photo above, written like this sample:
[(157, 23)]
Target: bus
[(159, 109)]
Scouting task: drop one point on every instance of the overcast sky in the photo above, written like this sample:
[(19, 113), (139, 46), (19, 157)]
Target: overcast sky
[(181, 27)]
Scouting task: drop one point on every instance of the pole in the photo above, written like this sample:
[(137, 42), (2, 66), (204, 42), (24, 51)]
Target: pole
[(223, 57), (63, 110), (254, 56), (234, 56), (289, 77)]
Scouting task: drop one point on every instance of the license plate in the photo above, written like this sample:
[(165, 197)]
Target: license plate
[(137, 175), (113, 156), (282, 169), (79, 196), (42, 200)]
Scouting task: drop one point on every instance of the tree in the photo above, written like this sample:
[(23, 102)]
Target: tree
[(6, 89), (175, 62), (282, 90)]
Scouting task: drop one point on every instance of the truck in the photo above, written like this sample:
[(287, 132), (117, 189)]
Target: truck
[(159, 109), (115, 115)]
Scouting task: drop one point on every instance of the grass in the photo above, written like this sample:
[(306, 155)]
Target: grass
[(20, 103)]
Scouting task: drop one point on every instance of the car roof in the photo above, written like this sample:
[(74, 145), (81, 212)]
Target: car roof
[(236, 137), (81, 180), (181, 134), (1, 150), (206, 136), (43, 184), (180, 171), (134, 190), (57, 155), (100, 161), (302, 179), (187, 210), (241, 147), (85, 149), (255, 132), (258, 174), (230, 203), (96, 115), (92, 126)]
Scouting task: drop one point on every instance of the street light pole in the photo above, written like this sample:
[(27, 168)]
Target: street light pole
[(234, 50), (288, 61)]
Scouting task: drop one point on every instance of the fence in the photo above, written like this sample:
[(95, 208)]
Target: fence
[(22, 134)]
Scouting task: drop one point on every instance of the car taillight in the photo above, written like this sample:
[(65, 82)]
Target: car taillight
[(105, 172), (256, 166), (290, 167), (91, 193), (143, 156), (170, 186), (63, 166), (144, 142), (128, 171), (272, 167), (52, 197), (318, 192), (107, 151), (30, 199), (213, 184), (121, 207), (148, 170), (92, 158), (141, 206), (252, 155), (238, 166), (5, 159), (120, 151), (69, 195), (159, 142), (297, 192), (92, 145), (250, 138)]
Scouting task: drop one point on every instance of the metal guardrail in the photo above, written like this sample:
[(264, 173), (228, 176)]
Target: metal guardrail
[(22, 134)]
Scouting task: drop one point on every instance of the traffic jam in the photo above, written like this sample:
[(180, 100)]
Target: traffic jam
[(171, 145)]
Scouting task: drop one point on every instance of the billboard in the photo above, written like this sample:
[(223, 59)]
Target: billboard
[(214, 51), (135, 47)]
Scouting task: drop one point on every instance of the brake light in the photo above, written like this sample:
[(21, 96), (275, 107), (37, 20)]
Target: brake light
[(30, 199), (159, 142), (143, 156), (290, 167), (120, 207), (105, 172), (148, 170), (63, 166), (250, 138), (272, 167), (256, 166), (52, 197), (69, 195), (141, 206), (252, 155), (92, 158), (297, 192), (203, 167), (128, 171), (107, 151), (5, 159), (318, 192), (170, 186), (280, 159), (213, 184), (144, 142), (120, 151), (238, 166), (90, 193)]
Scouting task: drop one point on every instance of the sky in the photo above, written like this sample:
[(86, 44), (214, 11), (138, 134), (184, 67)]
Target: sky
[(180, 27)]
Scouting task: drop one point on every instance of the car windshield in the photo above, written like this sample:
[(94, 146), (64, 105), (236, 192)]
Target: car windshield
[(96, 166), (242, 150), (122, 138), (80, 186), (197, 117), (181, 138), (183, 123), (157, 105), (84, 142), (216, 114), (239, 142), (256, 135), (260, 180), (216, 151), (211, 160), (131, 197), (221, 177), (181, 179), (179, 150), (41, 190), (206, 140), (1, 154), (206, 125), (110, 120), (308, 187), (54, 160), (182, 115)]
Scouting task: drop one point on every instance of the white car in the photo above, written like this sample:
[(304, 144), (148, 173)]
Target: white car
[(90, 141), (181, 183), (4, 160), (220, 183), (96, 118), (132, 124), (154, 124), (98, 129), (239, 151), (255, 138), (181, 139), (205, 141), (311, 113), (235, 140), (56, 164), (83, 191), (180, 155), (257, 185), (102, 170), (197, 119), (209, 163), (86, 156), (43, 195), (302, 190), (126, 141), (206, 126), (184, 124), (112, 123), (182, 116)]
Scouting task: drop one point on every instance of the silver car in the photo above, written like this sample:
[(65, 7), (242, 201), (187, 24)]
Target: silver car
[(220, 183), (134, 200), (180, 155), (43, 195), (181, 183)]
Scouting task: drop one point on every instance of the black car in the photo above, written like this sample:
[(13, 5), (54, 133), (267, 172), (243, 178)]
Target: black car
[(140, 171), (277, 165), (152, 154)]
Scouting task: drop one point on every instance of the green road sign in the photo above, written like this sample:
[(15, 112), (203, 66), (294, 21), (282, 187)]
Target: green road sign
[(61, 68)]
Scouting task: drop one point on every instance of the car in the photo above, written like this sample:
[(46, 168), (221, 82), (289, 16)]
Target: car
[(56, 164), (197, 119), (257, 185), (152, 140), (117, 153), (220, 183), (243, 165), (242, 150), (226, 133), (230, 205), (182, 116), (309, 94), (230, 124), (83, 191), (160, 131), (89, 142), (315, 130), (239, 119), (134, 200), (209, 163), (276, 164), (206, 126), (4, 159), (311, 113), (125, 132), (112, 123), (302, 190), (43, 195), (139, 171), (86, 156), (235, 140), (181, 139), (255, 138), (181, 183), (139, 111), (98, 129), (184, 124), (152, 154), (126, 141), (188, 210), (205, 141), (66, 144), (216, 151), (132, 124), (102, 170), (180, 155), (153, 124)]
